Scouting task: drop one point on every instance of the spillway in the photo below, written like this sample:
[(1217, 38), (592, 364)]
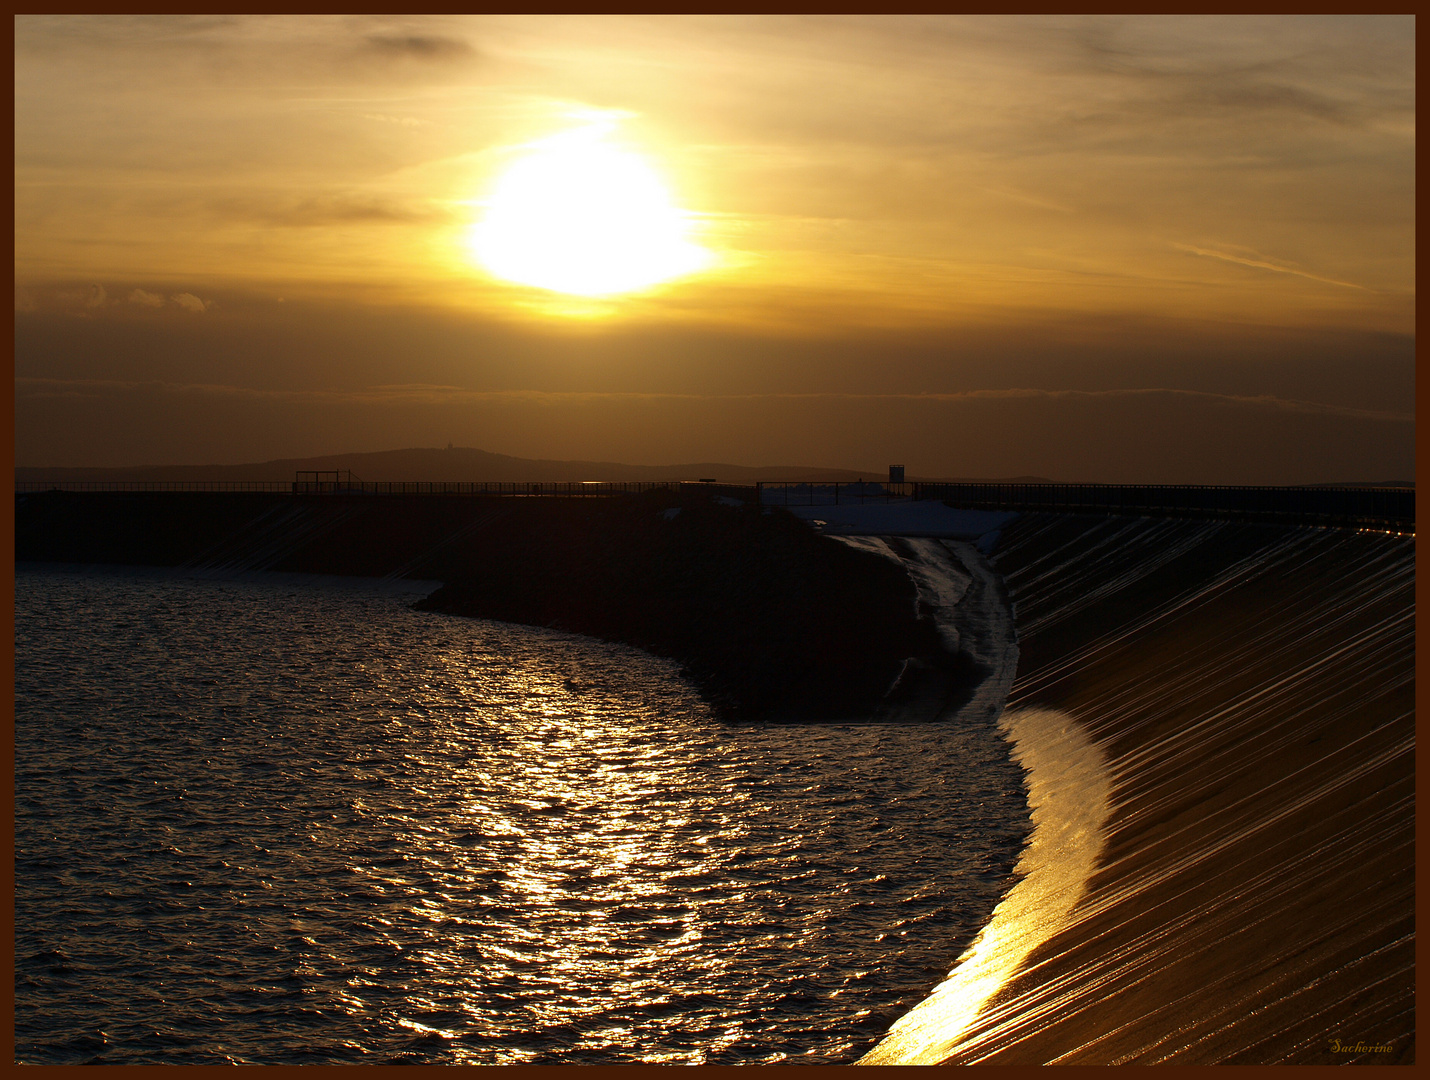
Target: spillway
[(1217, 719)]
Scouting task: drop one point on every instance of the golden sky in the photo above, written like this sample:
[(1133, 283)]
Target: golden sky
[(887, 185)]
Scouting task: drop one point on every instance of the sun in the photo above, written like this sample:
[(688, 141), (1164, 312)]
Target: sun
[(576, 214)]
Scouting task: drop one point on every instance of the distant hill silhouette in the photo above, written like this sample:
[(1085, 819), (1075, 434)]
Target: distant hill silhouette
[(464, 463)]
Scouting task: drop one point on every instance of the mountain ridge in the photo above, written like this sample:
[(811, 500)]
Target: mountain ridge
[(464, 464)]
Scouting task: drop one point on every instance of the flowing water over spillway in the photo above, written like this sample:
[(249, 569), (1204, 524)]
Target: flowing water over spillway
[(277, 819), (1252, 691)]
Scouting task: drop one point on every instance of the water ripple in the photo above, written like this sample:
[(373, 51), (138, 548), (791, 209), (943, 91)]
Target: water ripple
[(288, 820)]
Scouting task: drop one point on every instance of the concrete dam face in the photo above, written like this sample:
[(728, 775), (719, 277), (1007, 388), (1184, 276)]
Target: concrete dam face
[(1216, 719), (1225, 713)]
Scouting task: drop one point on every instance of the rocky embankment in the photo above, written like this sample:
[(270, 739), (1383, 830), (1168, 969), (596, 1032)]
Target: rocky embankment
[(771, 620)]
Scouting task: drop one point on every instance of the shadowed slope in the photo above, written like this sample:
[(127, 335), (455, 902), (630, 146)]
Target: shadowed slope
[(772, 620)]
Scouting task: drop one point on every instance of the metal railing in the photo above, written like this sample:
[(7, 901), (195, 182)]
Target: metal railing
[(834, 493), (1374, 507)]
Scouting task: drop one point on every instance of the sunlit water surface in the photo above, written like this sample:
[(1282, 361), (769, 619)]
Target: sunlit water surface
[(284, 819)]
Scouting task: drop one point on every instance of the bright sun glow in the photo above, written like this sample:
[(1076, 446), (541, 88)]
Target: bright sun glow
[(578, 215)]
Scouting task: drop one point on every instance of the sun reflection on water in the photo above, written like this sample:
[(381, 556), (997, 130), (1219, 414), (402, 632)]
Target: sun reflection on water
[(530, 848)]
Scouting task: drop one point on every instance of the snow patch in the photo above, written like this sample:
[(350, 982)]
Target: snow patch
[(927, 517)]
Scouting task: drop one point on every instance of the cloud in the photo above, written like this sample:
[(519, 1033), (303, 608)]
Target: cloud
[(146, 299), (436, 393), (426, 387), (1271, 65), (1263, 263), (188, 301), (419, 46), (405, 121), (1149, 435), (96, 296), (1268, 97), (910, 166), (1256, 401), (321, 210)]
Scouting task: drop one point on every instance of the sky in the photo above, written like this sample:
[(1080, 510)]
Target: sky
[(1116, 249)]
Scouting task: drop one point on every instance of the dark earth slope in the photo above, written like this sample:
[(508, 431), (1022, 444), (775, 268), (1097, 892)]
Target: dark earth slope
[(770, 619)]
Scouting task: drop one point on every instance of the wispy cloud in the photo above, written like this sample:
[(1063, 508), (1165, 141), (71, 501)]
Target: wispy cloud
[(434, 393), (189, 302), (1262, 263), (324, 210), (405, 121), (905, 159), (419, 46)]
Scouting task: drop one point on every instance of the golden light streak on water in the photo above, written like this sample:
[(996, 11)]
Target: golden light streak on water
[(410, 838), (1069, 789)]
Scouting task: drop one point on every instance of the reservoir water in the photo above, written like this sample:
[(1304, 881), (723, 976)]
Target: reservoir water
[(284, 819)]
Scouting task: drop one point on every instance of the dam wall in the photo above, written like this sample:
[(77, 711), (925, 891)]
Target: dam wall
[(1249, 691), (1360, 506), (1390, 508)]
